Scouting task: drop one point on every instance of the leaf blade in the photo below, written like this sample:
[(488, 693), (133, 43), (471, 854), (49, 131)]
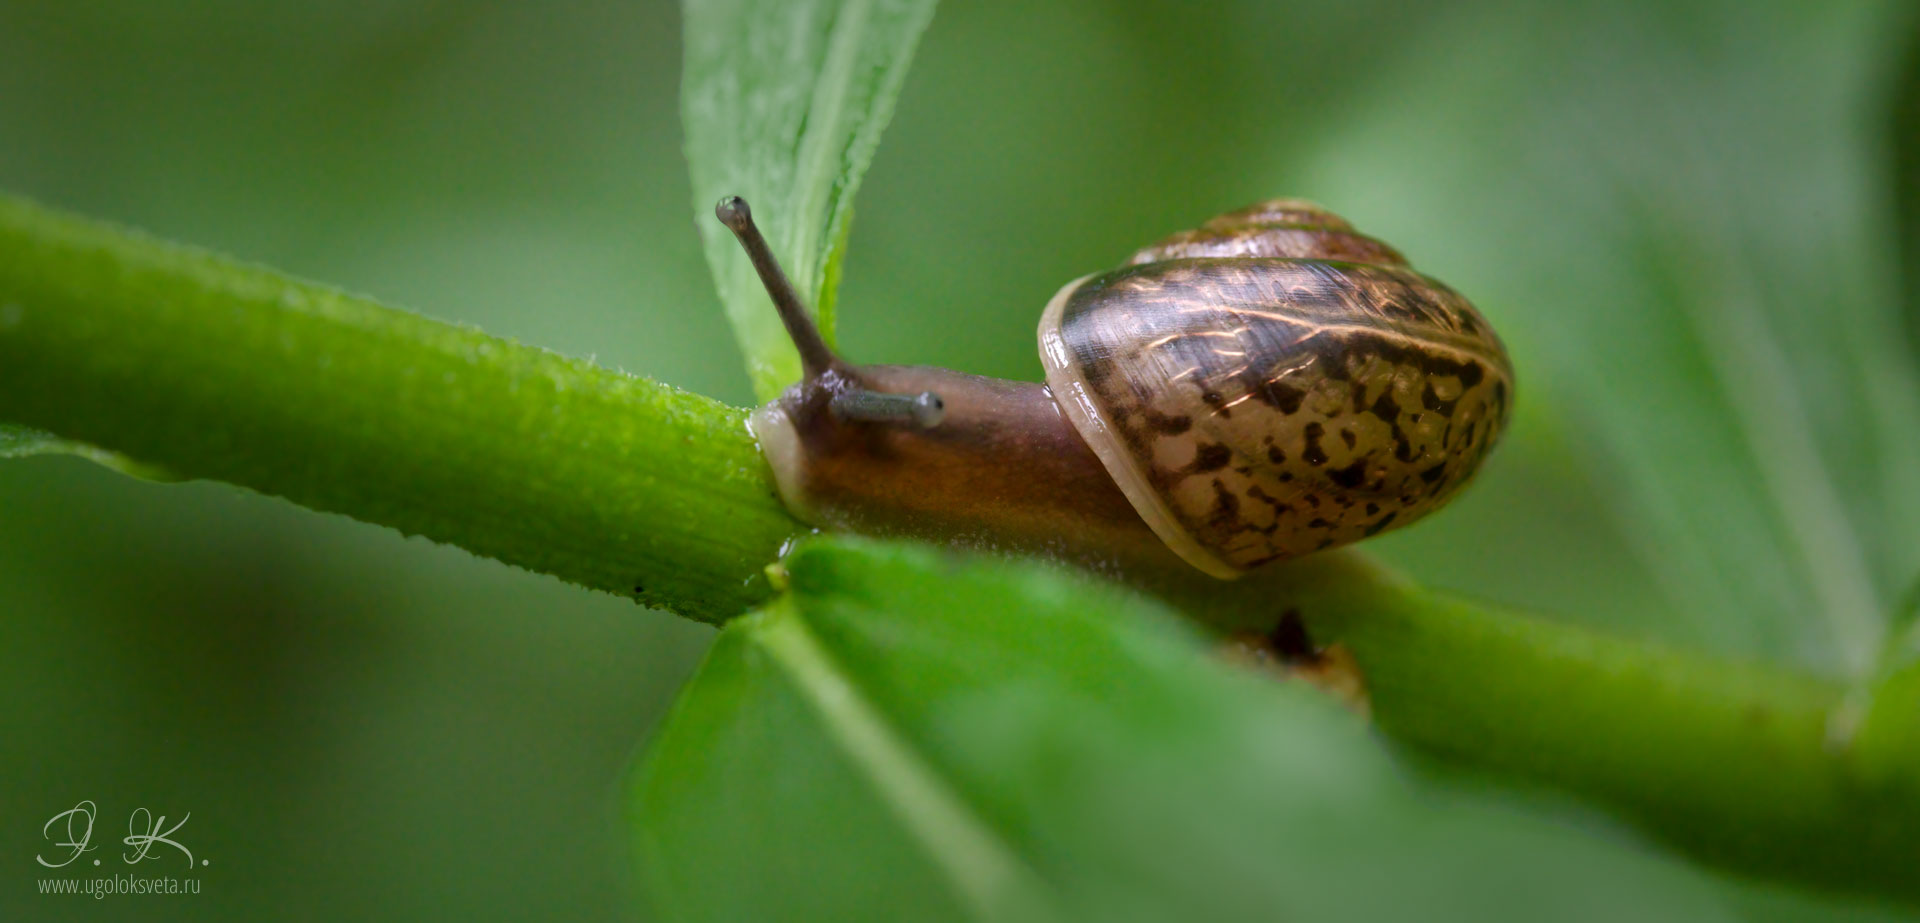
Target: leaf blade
[(717, 778), (784, 104), (1131, 776), (981, 867)]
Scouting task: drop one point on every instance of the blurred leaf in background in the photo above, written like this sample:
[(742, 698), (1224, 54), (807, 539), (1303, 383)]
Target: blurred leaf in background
[(1679, 216)]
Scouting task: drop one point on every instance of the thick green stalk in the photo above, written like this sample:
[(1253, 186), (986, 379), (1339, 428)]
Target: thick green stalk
[(215, 369), (1751, 766), (219, 370)]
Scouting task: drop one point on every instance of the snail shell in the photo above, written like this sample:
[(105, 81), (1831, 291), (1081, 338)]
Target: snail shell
[(1275, 383)]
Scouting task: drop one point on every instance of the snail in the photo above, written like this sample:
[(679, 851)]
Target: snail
[(1269, 385)]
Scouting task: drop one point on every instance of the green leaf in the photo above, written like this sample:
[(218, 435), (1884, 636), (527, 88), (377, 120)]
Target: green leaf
[(21, 441), (1698, 284), (783, 103), (904, 738)]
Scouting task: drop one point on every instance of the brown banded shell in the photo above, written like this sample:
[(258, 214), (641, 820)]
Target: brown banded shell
[(1276, 383)]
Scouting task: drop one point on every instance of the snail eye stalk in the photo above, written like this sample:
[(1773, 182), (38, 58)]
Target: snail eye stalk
[(924, 410), (815, 356)]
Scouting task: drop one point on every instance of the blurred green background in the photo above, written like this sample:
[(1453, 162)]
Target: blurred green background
[(373, 727)]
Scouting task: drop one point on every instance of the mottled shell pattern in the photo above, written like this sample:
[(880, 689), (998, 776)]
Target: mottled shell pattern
[(1275, 383)]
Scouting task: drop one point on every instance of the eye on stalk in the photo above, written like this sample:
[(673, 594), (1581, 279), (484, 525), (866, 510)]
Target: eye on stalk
[(924, 410)]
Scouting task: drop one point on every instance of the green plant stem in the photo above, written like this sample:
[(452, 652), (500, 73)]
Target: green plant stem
[(211, 368), (214, 369), (1753, 767)]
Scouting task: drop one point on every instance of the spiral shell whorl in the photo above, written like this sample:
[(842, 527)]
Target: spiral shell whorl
[(1277, 228), (1275, 383)]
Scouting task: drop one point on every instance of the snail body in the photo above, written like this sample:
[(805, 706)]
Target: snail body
[(1268, 385)]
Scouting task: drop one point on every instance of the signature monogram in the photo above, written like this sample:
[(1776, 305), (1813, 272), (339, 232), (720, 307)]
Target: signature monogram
[(143, 832)]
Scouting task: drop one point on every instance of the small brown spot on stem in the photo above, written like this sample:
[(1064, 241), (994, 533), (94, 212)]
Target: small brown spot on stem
[(1288, 650)]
